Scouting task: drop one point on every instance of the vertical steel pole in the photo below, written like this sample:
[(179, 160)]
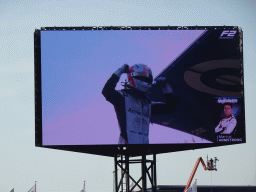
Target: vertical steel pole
[(154, 179), (122, 189), (143, 171), (116, 190), (127, 172), (152, 175)]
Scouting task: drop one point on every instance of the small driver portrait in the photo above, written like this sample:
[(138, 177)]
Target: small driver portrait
[(227, 125)]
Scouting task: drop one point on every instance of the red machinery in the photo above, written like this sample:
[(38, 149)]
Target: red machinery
[(211, 165)]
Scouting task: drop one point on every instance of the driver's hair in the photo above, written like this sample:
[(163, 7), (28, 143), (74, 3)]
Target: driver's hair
[(230, 104)]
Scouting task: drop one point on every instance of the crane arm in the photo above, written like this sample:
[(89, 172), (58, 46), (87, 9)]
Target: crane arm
[(194, 171)]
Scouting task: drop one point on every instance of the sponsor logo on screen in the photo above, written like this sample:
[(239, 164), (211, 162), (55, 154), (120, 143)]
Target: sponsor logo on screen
[(226, 100), (227, 34)]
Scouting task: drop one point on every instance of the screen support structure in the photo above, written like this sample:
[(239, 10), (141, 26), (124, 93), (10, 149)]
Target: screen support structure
[(122, 163)]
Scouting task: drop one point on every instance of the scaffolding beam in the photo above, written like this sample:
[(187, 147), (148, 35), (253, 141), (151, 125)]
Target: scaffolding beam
[(147, 172)]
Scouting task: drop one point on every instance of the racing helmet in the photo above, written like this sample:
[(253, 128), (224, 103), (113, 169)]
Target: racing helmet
[(140, 77)]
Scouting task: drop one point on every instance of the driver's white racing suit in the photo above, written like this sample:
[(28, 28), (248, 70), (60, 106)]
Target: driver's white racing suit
[(226, 125), (133, 109)]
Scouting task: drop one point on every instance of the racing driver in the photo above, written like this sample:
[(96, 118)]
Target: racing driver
[(227, 125), (132, 104)]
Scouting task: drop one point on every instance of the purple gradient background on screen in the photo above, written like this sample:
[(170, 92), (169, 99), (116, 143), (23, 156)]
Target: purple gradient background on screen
[(77, 64)]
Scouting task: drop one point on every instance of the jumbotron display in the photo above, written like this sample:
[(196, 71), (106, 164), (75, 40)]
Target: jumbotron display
[(125, 86)]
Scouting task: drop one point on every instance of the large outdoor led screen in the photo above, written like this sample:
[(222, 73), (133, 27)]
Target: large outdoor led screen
[(203, 69)]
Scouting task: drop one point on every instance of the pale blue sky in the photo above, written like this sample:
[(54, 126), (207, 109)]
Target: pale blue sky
[(21, 163)]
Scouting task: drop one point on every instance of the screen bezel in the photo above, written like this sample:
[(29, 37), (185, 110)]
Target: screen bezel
[(112, 150)]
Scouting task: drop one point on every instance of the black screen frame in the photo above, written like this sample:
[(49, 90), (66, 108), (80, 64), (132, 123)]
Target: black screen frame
[(112, 150)]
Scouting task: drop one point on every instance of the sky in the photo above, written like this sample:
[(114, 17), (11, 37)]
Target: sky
[(21, 163)]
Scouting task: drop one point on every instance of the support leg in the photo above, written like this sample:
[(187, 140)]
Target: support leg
[(116, 178), (144, 172), (127, 173), (122, 189), (154, 173)]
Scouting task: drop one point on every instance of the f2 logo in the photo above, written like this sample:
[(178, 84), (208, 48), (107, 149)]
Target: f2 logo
[(227, 34)]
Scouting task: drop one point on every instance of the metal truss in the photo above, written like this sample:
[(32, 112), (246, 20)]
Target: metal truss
[(122, 161)]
